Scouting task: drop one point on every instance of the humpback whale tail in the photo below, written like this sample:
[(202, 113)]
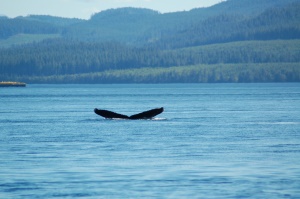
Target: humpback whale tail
[(143, 115)]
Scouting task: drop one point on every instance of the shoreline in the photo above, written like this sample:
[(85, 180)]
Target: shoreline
[(12, 84)]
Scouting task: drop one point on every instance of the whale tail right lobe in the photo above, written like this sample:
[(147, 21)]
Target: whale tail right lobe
[(147, 114)]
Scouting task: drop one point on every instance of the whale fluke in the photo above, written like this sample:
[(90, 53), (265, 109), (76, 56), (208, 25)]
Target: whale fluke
[(143, 115)]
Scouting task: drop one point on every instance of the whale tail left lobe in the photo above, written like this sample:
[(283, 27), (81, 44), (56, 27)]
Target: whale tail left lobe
[(110, 114)]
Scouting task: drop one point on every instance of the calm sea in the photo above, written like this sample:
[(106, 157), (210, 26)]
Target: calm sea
[(212, 141)]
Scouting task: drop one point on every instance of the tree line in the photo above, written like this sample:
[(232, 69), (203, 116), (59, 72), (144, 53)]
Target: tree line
[(61, 58), (216, 73)]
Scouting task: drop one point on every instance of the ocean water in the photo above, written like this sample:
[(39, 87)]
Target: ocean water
[(212, 141)]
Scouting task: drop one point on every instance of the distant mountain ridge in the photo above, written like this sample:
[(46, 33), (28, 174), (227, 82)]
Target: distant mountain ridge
[(59, 21), (129, 13), (273, 23), (134, 23)]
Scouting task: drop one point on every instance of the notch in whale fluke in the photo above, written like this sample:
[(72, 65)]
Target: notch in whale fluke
[(143, 115)]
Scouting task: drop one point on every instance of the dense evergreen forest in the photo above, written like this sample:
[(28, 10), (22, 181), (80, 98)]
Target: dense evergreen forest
[(233, 41)]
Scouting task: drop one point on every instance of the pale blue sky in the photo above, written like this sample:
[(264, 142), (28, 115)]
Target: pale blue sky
[(85, 8)]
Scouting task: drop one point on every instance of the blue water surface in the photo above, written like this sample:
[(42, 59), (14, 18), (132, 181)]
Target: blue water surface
[(212, 141)]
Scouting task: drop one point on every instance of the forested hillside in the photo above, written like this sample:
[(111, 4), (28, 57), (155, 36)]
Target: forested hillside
[(274, 23), (233, 41)]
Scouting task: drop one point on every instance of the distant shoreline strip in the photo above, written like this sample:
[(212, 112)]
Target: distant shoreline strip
[(12, 84)]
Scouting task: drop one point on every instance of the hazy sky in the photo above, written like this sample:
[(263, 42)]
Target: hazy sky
[(85, 8)]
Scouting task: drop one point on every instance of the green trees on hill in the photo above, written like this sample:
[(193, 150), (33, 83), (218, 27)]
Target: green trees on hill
[(226, 22), (251, 61), (216, 44), (274, 23), (217, 73), (10, 27), (63, 58)]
